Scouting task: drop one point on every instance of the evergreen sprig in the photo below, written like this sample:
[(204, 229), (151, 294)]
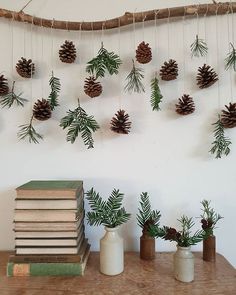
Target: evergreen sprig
[(156, 95), (146, 216), (12, 98), (78, 121), (209, 217), (221, 143), (134, 80), (104, 61), (109, 213), (198, 47), (55, 85), (28, 131), (230, 61)]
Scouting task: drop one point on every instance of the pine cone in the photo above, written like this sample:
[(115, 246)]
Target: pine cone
[(228, 118), (169, 71), (42, 110), (185, 105), (143, 53), (67, 53), (91, 87), (25, 68), (206, 76), (120, 123), (4, 89)]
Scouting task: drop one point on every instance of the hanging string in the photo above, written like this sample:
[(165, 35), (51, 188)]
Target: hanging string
[(24, 35), (168, 34), (52, 44), (119, 97), (102, 36), (155, 39), (134, 30), (80, 39), (217, 55), (42, 55), (232, 18), (230, 70), (184, 49), (25, 5), (31, 52), (197, 20), (143, 25), (12, 42), (205, 32)]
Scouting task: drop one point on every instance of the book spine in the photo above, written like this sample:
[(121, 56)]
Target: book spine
[(44, 269)]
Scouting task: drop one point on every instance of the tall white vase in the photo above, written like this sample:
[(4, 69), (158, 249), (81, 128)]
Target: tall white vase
[(184, 264), (111, 252)]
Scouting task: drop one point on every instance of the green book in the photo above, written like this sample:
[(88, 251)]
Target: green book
[(48, 269), (51, 185)]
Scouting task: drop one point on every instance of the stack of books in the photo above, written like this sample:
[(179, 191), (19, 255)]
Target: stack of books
[(49, 229)]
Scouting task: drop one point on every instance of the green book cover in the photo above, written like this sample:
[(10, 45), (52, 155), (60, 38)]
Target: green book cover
[(51, 185)]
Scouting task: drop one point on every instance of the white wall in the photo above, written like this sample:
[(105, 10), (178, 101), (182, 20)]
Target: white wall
[(165, 154)]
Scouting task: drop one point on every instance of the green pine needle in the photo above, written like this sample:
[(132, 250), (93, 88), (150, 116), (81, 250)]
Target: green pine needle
[(156, 95), (104, 61), (145, 213), (77, 121), (11, 98), (230, 61), (221, 143), (134, 80), (28, 131), (55, 85), (108, 213), (198, 47)]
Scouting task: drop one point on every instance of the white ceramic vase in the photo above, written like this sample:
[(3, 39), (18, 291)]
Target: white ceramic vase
[(111, 252), (184, 264)]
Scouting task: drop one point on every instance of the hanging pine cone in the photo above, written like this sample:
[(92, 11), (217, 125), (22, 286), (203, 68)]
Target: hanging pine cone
[(143, 53), (25, 68), (206, 76), (120, 123), (169, 71), (228, 118), (4, 89), (42, 110), (91, 87), (67, 53), (185, 106)]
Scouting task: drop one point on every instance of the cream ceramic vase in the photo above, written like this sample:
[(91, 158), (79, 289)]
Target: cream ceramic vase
[(184, 264), (111, 252)]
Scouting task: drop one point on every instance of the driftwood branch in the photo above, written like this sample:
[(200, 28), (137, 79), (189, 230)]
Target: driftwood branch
[(124, 20)]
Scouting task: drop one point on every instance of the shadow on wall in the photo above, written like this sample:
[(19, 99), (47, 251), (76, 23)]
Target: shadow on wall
[(6, 219)]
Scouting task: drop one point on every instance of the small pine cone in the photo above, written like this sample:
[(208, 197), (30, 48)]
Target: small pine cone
[(185, 106), (143, 53), (169, 71), (4, 89), (67, 53), (25, 68), (42, 110), (228, 118), (206, 76), (91, 87), (120, 123)]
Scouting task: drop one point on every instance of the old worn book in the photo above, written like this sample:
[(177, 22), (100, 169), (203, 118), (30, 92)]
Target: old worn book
[(51, 258), (46, 227), (46, 234), (48, 269), (50, 189), (46, 215)]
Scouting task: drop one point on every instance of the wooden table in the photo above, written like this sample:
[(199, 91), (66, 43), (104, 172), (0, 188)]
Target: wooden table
[(139, 278)]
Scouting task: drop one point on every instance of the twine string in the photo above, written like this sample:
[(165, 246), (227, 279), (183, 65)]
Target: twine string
[(143, 27), (24, 35), (31, 49), (183, 34), (42, 56), (80, 39), (205, 32), (168, 34), (134, 30), (155, 38), (230, 70), (12, 43), (52, 44), (232, 18), (217, 55), (119, 97)]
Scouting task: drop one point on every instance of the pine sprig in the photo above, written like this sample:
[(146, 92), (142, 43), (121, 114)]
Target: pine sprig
[(146, 216), (55, 85), (156, 95), (209, 217), (198, 47), (230, 61), (104, 61), (109, 213), (78, 121), (12, 98), (221, 143), (134, 80), (28, 131)]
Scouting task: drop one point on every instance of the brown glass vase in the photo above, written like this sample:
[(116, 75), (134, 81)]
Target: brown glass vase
[(147, 247), (209, 249)]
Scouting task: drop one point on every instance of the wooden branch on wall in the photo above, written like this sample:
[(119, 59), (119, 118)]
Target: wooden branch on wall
[(124, 20)]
